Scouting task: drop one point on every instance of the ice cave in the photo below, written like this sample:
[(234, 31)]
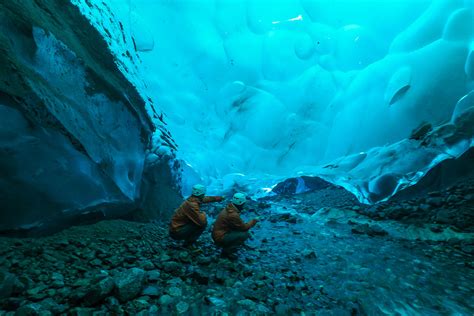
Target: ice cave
[(319, 151)]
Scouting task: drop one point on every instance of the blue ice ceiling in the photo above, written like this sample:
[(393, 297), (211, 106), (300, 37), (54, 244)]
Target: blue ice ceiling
[(367, 94)]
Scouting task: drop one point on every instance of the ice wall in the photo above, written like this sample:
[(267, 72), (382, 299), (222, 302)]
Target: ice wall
[(367, 94), (74, 133)]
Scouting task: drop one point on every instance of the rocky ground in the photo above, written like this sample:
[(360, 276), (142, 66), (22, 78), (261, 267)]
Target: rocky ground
[(317, 253)]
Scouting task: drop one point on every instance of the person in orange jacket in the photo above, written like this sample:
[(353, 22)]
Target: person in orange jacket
[(188, 222), (230, 231)]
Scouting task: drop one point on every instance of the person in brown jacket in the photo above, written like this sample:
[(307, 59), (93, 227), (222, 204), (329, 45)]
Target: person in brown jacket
[(230, 231), (188, 222)]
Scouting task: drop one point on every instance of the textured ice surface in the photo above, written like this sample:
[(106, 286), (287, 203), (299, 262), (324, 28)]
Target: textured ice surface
[(74, 133), (258, 91)]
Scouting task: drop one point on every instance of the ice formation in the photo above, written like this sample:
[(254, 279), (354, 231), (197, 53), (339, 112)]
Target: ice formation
[(234, 94), (255, 92), (73, 131)]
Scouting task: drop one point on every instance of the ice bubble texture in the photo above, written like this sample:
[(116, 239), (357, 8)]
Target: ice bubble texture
[(270, 90)]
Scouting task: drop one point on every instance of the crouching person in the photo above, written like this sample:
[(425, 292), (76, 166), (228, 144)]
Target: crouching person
[(229, 231), (188, 222)]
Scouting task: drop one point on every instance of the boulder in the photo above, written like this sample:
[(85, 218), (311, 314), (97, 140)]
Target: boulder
[(7, 283), (129, 284), (99, 291)]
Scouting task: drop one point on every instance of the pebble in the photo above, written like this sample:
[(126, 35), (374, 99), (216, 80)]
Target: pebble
[(165, 300), (182, 307)]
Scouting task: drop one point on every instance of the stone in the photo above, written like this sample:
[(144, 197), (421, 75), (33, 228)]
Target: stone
[(164, 257), (80, 311), (151, 290), (153, 310), (436, 229), (468, 248), (32, 309), (309, 254), (200, 276), (147, 265), (424, 207), (435, 201), (37, 290), (171, 266), (58, 280), (262, 310), (99, 291), (96, 262), (214, 301), (129, 284), (81, 282), (174, 291), (282, 309), (7, 283), (153, 275), (52, 306), (445, 216), (182, 307), (249, 304), (371, 230), (141, 304), (165, 300), (114, 305)]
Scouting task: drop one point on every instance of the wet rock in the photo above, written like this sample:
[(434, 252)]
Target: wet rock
[(151, 290), (58, 280), (165, 300), (52, 306), (436, 229), (262, 309), (435, 201), (247, 304), (468, 248), (371, 230), (32, 309), (182, 307), (172, 267), (129, 284), (99, 291), (398, 212), (7, 283), (282, 309), (113, 305), (214, 301), (147, 265), (285, 217), (81, 282), (445, 216), (80, 311), (96, 262), (153, 275), (152, 311), (174, 291), (37, 293), (140, 304), (200, 276), (309, 254)]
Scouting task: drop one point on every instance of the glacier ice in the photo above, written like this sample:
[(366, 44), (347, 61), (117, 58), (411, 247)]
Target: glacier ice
[(256, 93), (239, 95), (74, 132)]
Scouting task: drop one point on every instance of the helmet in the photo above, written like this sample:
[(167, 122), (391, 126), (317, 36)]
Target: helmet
[(239, 199), (199, 190)]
